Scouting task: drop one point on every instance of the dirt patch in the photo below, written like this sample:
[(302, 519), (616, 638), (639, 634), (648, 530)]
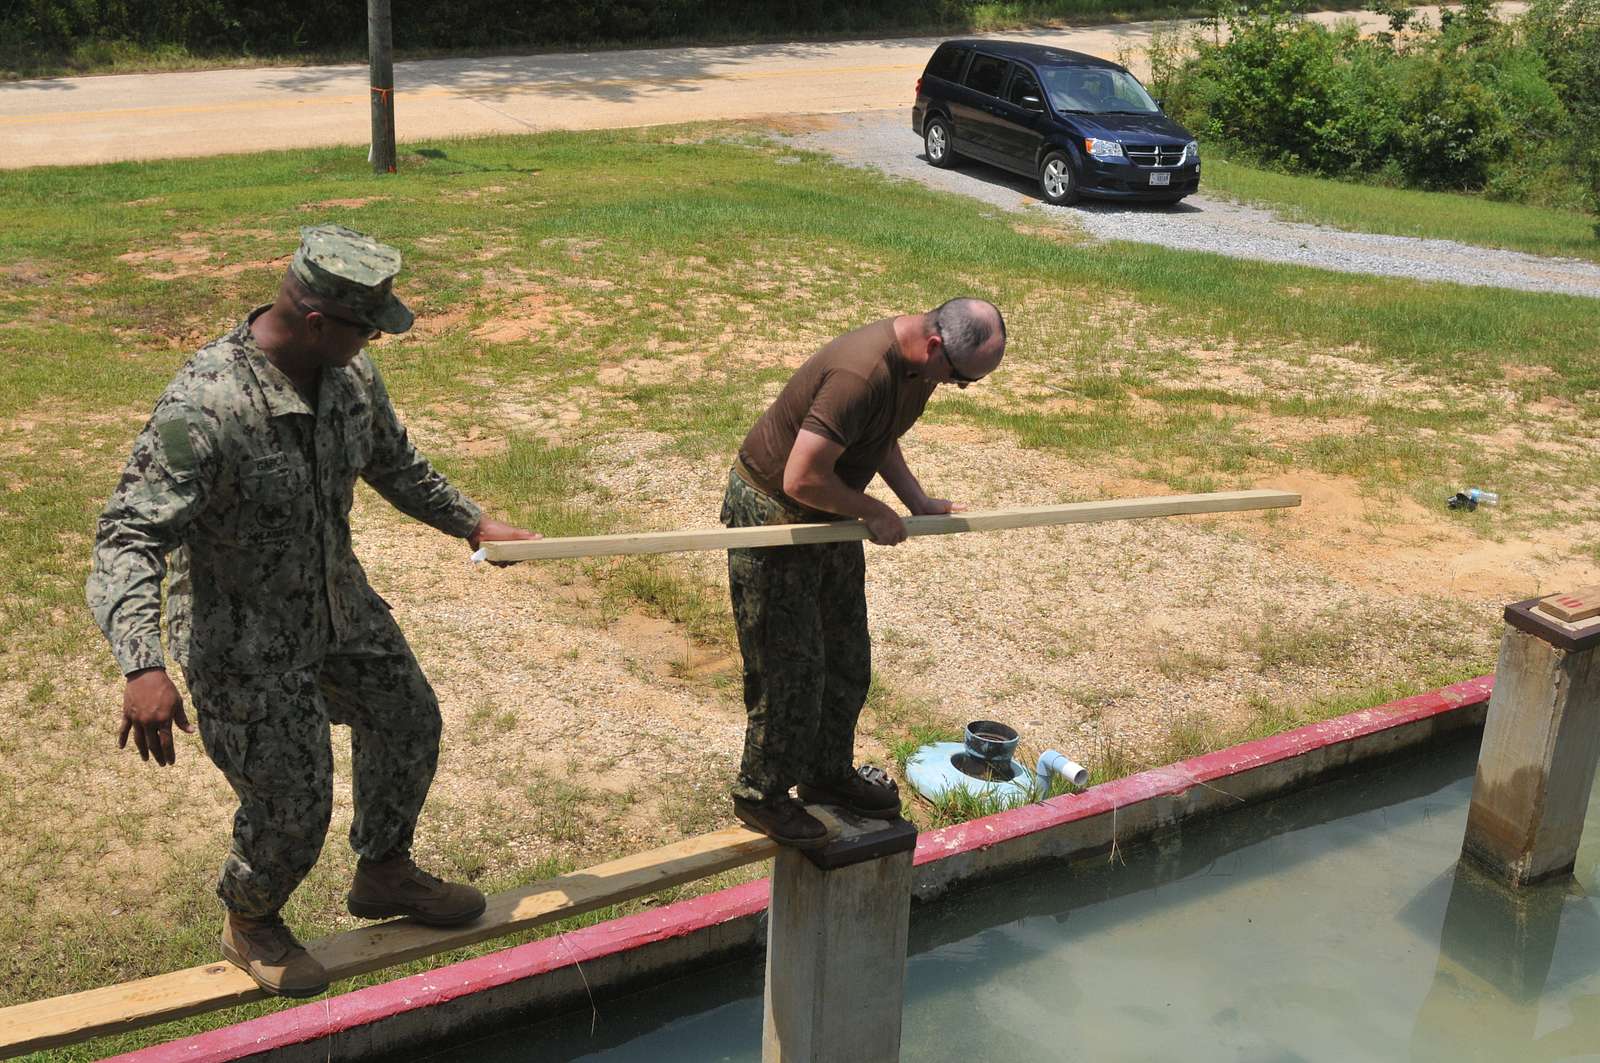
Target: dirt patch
[(534, 316), (344, 204), (24, 275), (637, 371), (192, 258), (1286, 431), (1395, 546), (1056, 234), (531, 317), (431, 323), (801, 123)]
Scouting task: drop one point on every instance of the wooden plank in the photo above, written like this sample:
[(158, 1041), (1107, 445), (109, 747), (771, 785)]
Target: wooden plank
[(845, 530), (1572, 606), (131, 1005)]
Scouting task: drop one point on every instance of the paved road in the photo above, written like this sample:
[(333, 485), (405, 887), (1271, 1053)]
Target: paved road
[(143, 116)]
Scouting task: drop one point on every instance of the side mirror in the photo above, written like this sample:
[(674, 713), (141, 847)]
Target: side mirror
[(1161, 105), (1032, 103)]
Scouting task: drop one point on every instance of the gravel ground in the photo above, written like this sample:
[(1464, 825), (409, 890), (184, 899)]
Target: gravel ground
[(884, 140)]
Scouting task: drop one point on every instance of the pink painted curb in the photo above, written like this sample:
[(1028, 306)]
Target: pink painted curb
[(352, 1010), (1176, 778), (322, 1018)]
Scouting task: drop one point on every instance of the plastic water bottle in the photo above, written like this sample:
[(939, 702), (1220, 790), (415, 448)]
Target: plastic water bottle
[(1471, 499)]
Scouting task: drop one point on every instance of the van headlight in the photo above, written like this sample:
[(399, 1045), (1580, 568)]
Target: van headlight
[(1191, 151), (1104, 149)]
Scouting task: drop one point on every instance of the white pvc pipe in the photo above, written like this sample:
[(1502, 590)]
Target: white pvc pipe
[(1062, 765)]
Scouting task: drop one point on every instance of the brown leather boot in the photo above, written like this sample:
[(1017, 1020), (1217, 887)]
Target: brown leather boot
[(266, 951), (397, 886)]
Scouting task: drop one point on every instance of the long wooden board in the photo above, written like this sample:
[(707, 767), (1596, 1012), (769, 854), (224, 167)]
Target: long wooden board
[(845, 530), (131, 1005)]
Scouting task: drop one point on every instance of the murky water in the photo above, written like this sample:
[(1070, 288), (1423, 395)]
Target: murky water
[(1330, 925)]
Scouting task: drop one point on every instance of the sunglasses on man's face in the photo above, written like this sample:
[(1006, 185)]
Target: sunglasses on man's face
[(359, 326), (960, 379)]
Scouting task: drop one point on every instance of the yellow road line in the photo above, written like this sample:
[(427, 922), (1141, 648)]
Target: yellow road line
[(470, 93)]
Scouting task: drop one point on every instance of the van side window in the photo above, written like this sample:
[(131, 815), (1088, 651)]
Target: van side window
[(987, 74), (1022, 84), (947, 62)]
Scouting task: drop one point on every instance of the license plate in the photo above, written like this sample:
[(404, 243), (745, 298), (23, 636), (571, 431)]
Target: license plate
[(1161, 178)]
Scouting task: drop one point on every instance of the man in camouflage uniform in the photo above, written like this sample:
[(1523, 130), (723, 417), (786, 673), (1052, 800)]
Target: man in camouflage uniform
[(801, 611), (245, 476)]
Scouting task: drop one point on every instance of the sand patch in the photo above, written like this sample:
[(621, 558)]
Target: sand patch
[(534, 316), (345, 204), (801, 123), (192, 258), (637, 371), (1394, 545), (531, 317)]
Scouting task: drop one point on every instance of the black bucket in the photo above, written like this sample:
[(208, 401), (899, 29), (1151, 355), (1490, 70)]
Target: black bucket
[(991, 741)]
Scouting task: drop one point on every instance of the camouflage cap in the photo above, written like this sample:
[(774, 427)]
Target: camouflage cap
[(353, 270)]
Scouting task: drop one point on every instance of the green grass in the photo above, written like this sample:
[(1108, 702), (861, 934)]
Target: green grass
[(697, 255), (1367, 208)]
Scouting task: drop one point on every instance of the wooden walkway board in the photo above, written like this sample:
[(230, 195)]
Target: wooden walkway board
[(845, 530), (131, 1005)]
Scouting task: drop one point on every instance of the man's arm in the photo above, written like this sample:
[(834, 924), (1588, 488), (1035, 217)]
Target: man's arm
[(809, 477), (897, 474), (162, 489)]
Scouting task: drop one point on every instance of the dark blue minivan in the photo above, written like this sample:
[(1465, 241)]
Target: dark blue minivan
[(1079, 125)]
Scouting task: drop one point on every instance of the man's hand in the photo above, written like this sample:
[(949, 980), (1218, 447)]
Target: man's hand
[(930, 506), (498, 531), (150, 704), (886, 526)]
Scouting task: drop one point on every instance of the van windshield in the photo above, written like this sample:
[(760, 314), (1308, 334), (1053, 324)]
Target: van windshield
[(1096, 90)]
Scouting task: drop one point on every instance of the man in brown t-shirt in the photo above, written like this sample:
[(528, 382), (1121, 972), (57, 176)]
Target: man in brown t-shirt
[(801, 611)]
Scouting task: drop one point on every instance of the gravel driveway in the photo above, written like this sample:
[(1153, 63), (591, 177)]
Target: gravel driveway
[(884, 140)]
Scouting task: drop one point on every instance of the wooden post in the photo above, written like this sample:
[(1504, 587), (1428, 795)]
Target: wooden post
[(1541, 741), (836, 945), (380, 48)]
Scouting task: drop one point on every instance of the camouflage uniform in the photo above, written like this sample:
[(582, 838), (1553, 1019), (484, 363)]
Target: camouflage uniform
[(270, 614), (801, 612)]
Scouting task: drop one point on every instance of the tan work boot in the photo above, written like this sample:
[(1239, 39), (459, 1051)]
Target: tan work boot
[(397, 886), (266, 951)]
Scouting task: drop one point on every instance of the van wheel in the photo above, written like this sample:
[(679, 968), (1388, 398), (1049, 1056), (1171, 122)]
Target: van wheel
[(936, 140), (1056, 180)]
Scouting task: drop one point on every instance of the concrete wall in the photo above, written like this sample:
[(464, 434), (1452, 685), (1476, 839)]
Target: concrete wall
[(542, 979)]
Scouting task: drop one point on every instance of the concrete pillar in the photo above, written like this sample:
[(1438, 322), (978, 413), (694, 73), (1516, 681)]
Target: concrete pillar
[(836, 945), (1541, 741)]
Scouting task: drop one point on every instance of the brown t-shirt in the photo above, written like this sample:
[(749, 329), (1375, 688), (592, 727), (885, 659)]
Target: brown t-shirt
[(855, 392)]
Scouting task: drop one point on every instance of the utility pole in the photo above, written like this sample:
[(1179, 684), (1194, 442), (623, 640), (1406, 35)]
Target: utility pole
[(380, 47)]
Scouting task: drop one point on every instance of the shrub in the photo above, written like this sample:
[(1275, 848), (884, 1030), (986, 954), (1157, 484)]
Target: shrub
[(1291, 93), (1566, 35), (1478, 105)]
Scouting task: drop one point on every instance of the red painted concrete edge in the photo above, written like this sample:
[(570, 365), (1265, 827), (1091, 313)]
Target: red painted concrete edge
[(1174, 779), (309, 1022), (323, 1018)]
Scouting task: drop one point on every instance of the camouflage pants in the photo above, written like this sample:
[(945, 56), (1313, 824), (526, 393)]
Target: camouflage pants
[(801, 612), (270, 736)]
